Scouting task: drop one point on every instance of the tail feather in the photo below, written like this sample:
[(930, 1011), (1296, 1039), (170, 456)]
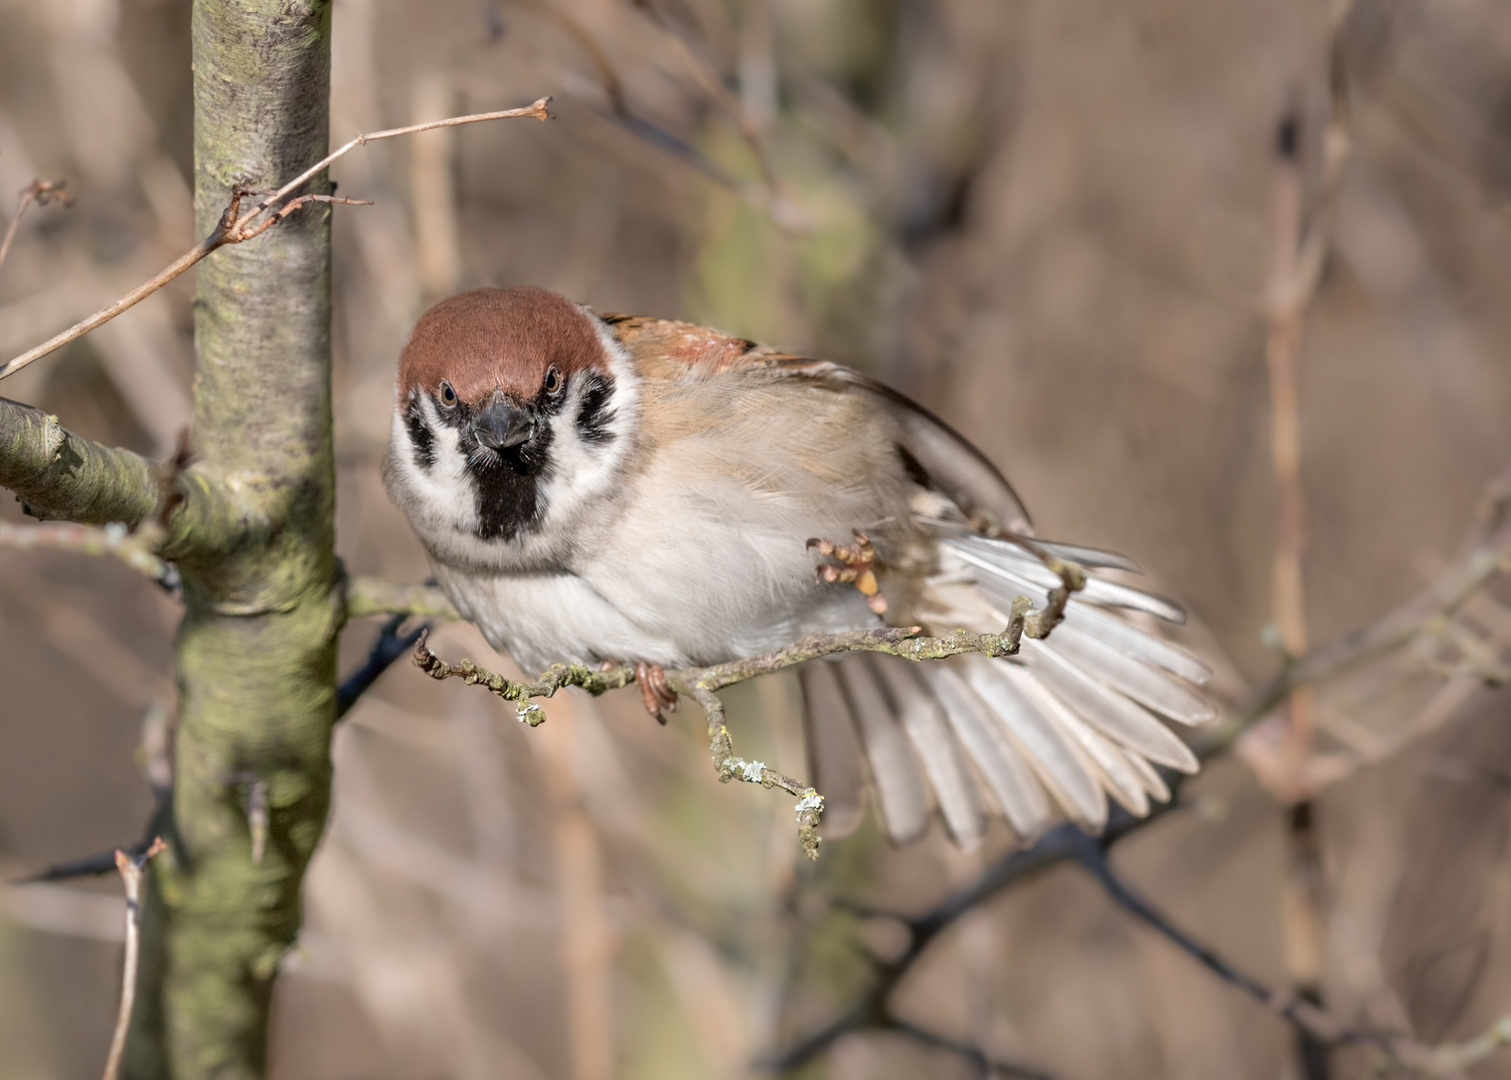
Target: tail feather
[(1108, 761), (1143, 684), (835, 760), (1153, 783), (1024, 573), (1115, 716), (1020, 798), (1043, 743), (898, 781), (1089, 557), (944, 760), (1129, 639)]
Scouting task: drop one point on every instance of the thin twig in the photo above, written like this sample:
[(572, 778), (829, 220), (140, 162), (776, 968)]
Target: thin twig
[(810, 804), (235, 227), (1301, 238), (1315, 1022), (389, 646), (40, 192), (1092, 855), (782, 209), (903, 641), (767, 197), (1487, 556), (871, 1008), (130, 867), (135, 549), (989, 1065), (701, 683), (375, 596)]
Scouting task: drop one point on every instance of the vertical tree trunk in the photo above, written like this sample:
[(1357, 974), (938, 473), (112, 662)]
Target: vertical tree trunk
[(256, 649)]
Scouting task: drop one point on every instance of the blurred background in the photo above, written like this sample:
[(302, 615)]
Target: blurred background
[(1056, 225)]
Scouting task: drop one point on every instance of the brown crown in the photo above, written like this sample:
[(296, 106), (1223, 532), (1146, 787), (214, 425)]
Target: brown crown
[(489, 338)]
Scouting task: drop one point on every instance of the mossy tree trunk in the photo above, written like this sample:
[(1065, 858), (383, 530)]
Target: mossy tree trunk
[(256, 648)]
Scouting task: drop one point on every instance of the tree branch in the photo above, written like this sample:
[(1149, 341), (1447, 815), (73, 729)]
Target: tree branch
[(374, 596), (1487, 555), (989, 1065), (700, 683), (389, 646), (130, 866), (57, 474), (236, 227), (40, 192), (1312, 1020), (133, 549), (871, 1009)]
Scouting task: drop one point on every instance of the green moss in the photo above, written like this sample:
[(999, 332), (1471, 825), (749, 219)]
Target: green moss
[(256, 649)]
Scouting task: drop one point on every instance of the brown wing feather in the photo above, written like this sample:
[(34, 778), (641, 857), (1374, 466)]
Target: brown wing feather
[(954, 467)]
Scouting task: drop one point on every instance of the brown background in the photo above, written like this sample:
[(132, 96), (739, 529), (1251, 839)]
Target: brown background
[(1052, 223)]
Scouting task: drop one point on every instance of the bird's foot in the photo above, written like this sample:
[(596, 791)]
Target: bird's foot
[(858, 568), (656, 695)]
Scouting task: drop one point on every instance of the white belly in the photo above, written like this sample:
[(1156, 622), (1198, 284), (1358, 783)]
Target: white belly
[(700, 556)]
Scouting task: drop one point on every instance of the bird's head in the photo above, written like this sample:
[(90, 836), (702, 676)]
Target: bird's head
[(509, 405)]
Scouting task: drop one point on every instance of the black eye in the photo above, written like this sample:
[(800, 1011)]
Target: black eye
[(448, 395), (553, 381)]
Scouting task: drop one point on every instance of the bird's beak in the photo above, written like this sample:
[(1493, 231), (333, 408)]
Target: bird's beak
[(501, 423)]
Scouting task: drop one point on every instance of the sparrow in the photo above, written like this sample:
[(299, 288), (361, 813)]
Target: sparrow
[(597, 488)]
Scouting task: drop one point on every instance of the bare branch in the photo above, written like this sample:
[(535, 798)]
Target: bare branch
[(1314, 1021), (810, 804), (1488, 555), (374, 596), (988, 1065), (235, 227), (40, 192), (56, 474), (1300, 242), (389, 646), (135, 549), (551, 680), (700, 683), (769, 196), (871, 1008), (536, 110), (903, 641), (130, 867)]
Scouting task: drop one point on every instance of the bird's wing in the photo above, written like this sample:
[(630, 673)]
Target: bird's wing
[(1074, 719), (952, 466)]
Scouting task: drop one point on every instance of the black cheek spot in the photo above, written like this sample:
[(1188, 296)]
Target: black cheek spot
[(594, 415), (420, 436)]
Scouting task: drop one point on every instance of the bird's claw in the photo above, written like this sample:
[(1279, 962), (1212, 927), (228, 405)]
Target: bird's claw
[(655, 694), (858, 568)]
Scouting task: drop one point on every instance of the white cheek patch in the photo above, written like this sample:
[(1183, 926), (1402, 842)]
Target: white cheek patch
[(584, 471), (441, 496)]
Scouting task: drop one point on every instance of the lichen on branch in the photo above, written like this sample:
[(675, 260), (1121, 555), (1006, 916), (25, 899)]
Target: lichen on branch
[(374, 596), (58, 475), (700, 683)]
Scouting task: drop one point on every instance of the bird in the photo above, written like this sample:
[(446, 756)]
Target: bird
[(603, 488)]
